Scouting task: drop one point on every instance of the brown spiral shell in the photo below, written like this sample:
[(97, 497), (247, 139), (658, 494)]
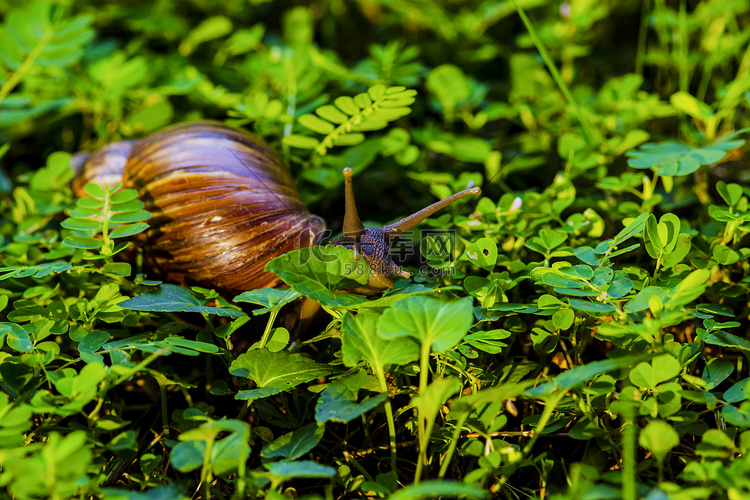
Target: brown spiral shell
[(222, 202)]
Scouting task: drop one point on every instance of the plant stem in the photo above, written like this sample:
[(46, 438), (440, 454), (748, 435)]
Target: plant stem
[(682, 21), (656, 269), (642, 36), (105, 387), (454, 443), (588, 132), (291, 83), (105, 219), (549, 408), (269, 325), (424, 368), (388, 415), (28, 63), (206, 469), (628, 448)]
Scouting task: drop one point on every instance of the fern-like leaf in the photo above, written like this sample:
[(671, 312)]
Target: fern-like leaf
[(109, 212), (343, 122), (33, 37)]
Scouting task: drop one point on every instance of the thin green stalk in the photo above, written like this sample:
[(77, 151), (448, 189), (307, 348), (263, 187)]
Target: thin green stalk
[(656, 269), (628, 448), (549, 408), (682, 20), (454, 443), (105, 387), (105, 218), (642, 36), (424, 369), (269, 325), (291, 84), (588, 132), (708, 69), (362, 470), (28, 63), (388, 415), (206, 469), (242, 470), (164, 414)]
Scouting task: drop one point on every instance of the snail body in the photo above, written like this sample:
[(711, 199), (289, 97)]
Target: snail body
[(223, 204)]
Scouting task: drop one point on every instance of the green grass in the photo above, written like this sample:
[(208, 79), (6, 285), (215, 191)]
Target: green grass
[(580, 330)]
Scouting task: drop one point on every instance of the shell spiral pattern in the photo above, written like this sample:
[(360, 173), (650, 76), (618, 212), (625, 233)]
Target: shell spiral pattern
[(222, 202)]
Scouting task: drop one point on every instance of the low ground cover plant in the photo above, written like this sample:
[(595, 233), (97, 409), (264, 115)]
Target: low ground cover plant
[(578, 331)]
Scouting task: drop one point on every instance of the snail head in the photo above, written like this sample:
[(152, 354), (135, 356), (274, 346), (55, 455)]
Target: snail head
[(374, 243)]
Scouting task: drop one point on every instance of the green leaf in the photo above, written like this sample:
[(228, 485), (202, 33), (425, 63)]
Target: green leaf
[(489, 341), (661, 369), (33, 34), (716, 371), (654, 244), (336, 404), (691, 106), (493, 394), (128, 230), (347, 105), (360, 340), (482, 253), (563, 319), (580, 375), (349, 140), (725, 255), (435, 396), (318, 271), (95, 190), (81, 224), (121, 269), (173, 298), (641, 299), (277, 370), (295, 444), (188, 455), (168, 492), (635, 227), (129, 217), (124, 196), (552, 238), (210, 29), (592, 307), (93, 341), (331, 114), (192, 344), (738, 391), (439, 489), (725, 339), (559, 281), (659, 438), (16, 337), (82, 242), (300, 468), (450, 86), (269, 298), (678, 253), (431, 321), (739, 417), (316, 124), (731, 193), (300, 141), (673, 158), (351, 116), (260, 393)]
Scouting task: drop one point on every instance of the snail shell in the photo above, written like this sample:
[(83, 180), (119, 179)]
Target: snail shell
[(222, 202)]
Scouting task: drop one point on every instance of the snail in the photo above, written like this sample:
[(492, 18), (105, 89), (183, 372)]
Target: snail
[(223, 204)]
